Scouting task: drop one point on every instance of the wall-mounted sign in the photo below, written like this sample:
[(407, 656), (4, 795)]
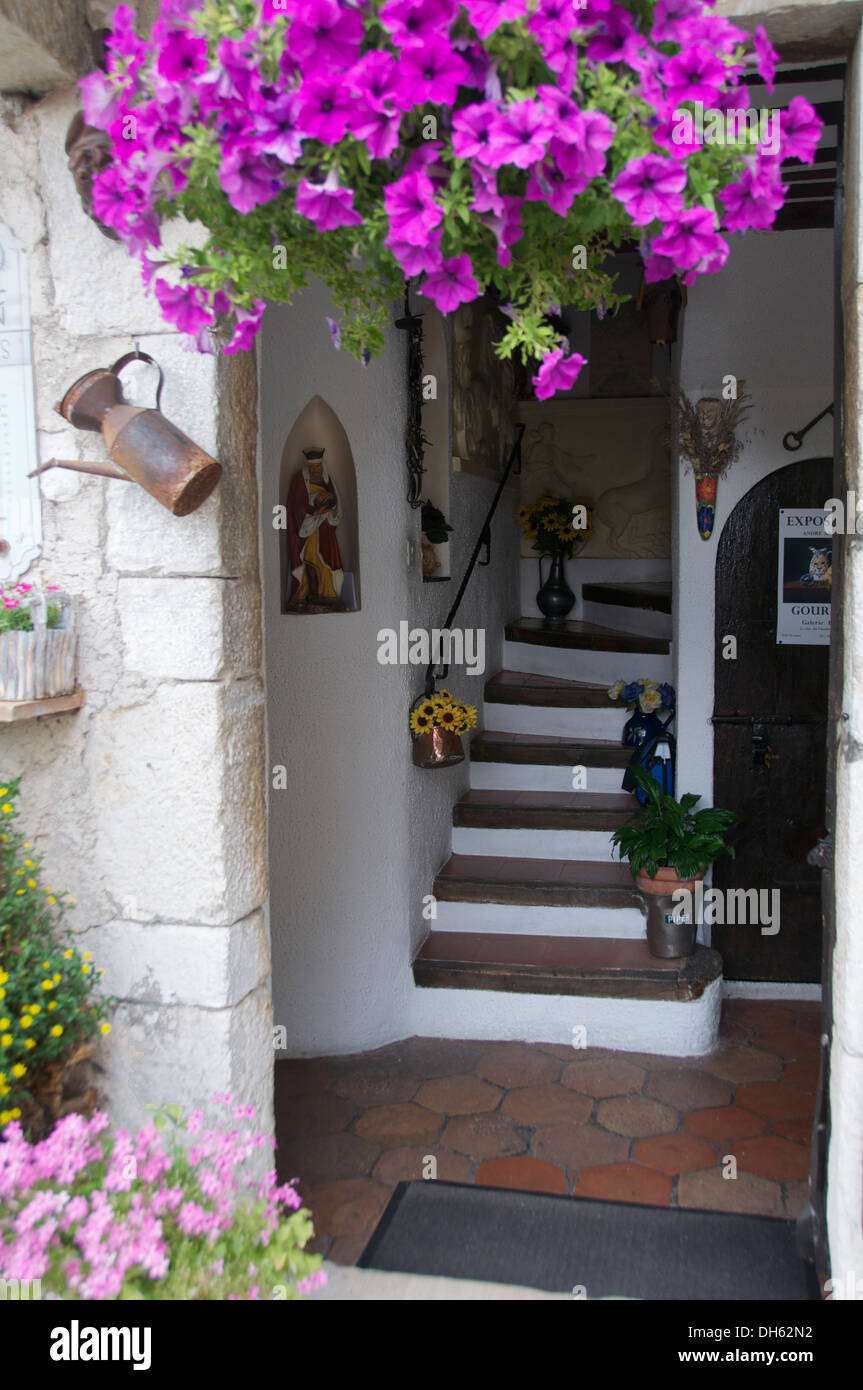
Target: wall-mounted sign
[(805, 578), (20, 509)]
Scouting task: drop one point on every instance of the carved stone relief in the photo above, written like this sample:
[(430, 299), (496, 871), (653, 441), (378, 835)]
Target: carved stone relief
[(482, 392)]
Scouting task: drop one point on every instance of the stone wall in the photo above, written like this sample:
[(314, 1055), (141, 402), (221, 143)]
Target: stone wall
[(148, 803)]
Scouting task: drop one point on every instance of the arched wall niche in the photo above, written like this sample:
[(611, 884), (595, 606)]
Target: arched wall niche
[(436, 427), (318, 427)]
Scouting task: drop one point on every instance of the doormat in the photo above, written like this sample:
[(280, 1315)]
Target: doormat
[(606, 1249)]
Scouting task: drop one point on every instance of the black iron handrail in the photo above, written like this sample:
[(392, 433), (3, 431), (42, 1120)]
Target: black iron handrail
[(483, 539)]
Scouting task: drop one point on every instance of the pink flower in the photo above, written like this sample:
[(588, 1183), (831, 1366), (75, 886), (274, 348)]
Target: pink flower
[(767, 56), (801, 130), (519, 135), (472, 127), (557, 373), (753, 201), (182, 56), (248, 178), (452, 284), (411, 208), (689, 238), (248, 321), (183, 305), (650, 187), (327, 204), (695, 74), (432, 73), (413, 22), (416, 260), (488, 15), (325, 108), (325, 34)]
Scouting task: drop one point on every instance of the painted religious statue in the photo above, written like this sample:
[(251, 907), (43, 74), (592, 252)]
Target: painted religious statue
[(316, 574)]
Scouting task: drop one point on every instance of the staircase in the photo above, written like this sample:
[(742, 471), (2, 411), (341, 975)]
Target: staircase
[(539, 931)]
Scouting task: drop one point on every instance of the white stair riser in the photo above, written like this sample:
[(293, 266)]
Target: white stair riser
[(665, 1027), (535, 920), (540, 777), (599, 668), (604, 724), (534, 844), (643, 622)]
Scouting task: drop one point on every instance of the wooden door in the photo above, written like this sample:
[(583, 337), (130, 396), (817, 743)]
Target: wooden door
[(770, 723)]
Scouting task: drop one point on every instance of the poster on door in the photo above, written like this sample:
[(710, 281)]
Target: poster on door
[(805, 578)]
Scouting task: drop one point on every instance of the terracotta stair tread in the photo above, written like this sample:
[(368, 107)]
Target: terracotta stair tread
[(654, 595), (488, 878), (494, 746), (599, 966), (524, 688), (584, 636), (544, 810)]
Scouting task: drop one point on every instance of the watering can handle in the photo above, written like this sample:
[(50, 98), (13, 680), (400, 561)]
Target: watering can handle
[(140, 357)]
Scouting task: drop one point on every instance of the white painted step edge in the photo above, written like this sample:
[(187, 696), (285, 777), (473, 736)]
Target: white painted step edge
[(540, 777), (606, 724), (594, 667), (641, 622)]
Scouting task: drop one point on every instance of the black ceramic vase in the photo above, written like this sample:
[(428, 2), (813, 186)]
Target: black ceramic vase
[(555, 598)]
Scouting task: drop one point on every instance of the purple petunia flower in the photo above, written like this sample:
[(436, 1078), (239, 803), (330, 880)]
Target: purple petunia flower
[(617, 40), (325, 35), (754, 200), (248, 321), (412, 23), (327, 204), (431, 73), (650, 187), (411, 208), (695, 74), (248, 178), (277, 126), (557, 373), (519, 135), (507, 228), (183, 55), (801, 128), (335, 334), (374, 79), (325, 105), (667, 19), (488, 15), (379, 130), (183, 305), (767, 56), (563, 111), (417, 260), (558, 179), (689, 238), (594, 134), (471, 130), (452, 284), (485, 195)]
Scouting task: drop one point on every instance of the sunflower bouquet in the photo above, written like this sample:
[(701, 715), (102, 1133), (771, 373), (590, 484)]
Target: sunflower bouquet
[(443, 711), (557, 523)]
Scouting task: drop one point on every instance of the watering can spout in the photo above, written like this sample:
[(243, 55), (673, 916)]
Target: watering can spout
[(150, 449)]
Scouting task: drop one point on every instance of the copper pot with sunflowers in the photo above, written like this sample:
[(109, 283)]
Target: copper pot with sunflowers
[(437, 722)]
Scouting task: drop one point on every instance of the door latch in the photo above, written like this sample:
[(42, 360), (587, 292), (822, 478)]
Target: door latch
[(762, 753)]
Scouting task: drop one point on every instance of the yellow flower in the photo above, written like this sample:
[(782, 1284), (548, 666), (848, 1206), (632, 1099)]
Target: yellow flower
[(29, 864), (27, 843), (51, 899), (26, 1021), (19, 892), (5, 1116), (47, 984), (46, 965), (4, 1023), (86, 955), (34, 1009), (67, 955), (85, 969), (57, 978), (2, 994), (52, 1005), (6, 1040), (4, 976), (6, 809), (3, 791), (105, 1028), (420, 724), (16, 1113), (56, 1031), (29, 1043), (19, 1070)]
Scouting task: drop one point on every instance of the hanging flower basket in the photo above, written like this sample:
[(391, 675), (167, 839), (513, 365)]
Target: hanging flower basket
[(495, 145), (38, 644)]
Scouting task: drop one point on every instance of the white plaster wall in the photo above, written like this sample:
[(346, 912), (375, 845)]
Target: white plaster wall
[(148, 803), (767, 317), (356, 838)]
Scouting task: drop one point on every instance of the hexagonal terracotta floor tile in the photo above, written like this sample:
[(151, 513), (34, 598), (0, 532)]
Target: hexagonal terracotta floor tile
[(674, 1153), (579, 1146), (377, 1086), (346, 1208), (798, 1130), (790, 1046), (325, 1158), (304, 1115), (302, 1076), (458, 1095), (708, 1190), (411, 1164), (431, 1057), (776, 1101), (518, 1065), (742, 1064), (547, 1105), (637, 1116), (724, 1122), (772, 1157), (393, 1126), (802, 1074), (768, 1015), (483, 1136), (625, 1182), (606, 1076), (688, 1090), (524, 1174)]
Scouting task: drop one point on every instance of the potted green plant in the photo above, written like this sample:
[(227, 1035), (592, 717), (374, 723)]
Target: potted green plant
[(37, 643), (670, 846)]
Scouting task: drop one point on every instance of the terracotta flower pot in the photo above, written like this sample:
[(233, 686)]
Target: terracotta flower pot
[(670, 934), (666, 881)]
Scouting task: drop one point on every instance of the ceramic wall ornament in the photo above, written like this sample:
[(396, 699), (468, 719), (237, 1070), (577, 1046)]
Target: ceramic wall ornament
[(706, 436), (317, 575)]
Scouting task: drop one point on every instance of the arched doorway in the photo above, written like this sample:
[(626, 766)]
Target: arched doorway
[(770, 720)]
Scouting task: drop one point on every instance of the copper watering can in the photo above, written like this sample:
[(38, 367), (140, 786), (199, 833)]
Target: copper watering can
[(149, 448)]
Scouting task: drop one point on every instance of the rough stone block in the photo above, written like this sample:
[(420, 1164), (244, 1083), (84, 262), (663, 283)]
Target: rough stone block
[(43, 44)]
